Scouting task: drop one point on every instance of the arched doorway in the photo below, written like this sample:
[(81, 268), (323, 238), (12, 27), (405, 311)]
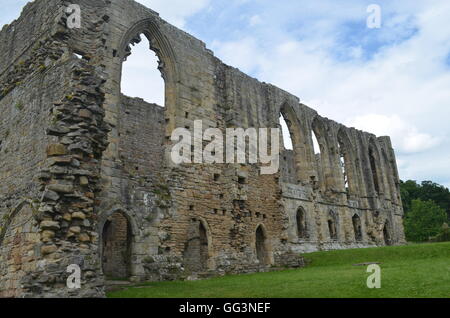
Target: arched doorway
[(261, 246), (196, 251), (116, 251), (301, 223), (356, 220), (387, 234)]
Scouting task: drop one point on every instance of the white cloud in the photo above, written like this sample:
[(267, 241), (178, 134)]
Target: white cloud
[(426, 166), (407, 138), (401, 91), (241, 54), (176, 11), (255, 20)]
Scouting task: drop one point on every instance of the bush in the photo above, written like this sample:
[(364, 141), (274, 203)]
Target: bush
[(424, 221), (443, 235)]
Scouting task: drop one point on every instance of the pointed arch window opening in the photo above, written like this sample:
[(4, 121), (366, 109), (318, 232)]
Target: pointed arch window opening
[(286, 134), (316, 145), (142, 72), (316, 180), (343, 166)]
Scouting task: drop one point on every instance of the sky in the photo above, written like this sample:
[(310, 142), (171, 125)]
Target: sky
[(393, 80)]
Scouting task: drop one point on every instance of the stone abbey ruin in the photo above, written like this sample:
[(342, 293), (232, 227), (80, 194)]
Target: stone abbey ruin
[(86, 176)]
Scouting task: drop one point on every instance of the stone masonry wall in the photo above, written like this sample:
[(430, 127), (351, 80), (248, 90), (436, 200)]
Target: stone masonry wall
[(75, 152), (58, 100)]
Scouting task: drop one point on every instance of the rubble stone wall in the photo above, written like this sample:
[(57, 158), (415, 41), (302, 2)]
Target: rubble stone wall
[(75, 152)]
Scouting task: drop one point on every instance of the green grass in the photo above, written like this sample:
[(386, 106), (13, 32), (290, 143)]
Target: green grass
[(412, 271)]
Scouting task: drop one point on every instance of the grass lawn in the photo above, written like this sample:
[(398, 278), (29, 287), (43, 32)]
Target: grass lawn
[(419, 270)]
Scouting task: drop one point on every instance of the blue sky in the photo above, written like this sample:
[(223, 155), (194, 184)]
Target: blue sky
[(390, 81)]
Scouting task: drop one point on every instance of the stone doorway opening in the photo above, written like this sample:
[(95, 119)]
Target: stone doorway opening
[(261, 246), (357, 227), (196, 252), (117, 246)]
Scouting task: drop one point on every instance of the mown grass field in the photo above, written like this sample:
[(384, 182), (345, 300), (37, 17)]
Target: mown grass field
[(412, 271)]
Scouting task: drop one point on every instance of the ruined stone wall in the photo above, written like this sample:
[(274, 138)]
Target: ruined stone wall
[(26, 95), (141, 130), (37, 21), (99, 153), (29, 83), (54, 133), (325, 194)]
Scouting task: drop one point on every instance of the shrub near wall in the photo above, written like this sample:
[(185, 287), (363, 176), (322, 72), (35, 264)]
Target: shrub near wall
[(424, 221)]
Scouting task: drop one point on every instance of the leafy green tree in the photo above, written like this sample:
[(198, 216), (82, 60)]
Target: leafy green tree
[(410, 190), (424, 220), (439, 194)]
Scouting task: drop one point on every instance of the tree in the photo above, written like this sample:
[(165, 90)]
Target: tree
[(439, 194), (424, 220), (410, 190), (443, 235)]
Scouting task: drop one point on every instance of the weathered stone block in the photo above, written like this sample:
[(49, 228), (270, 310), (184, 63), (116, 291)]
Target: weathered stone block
[(56, 150), (48, 249), (50, 225), (78, 215), (61, 188)]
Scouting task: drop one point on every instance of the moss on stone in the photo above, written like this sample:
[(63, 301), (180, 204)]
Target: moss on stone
[(19, 106)]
